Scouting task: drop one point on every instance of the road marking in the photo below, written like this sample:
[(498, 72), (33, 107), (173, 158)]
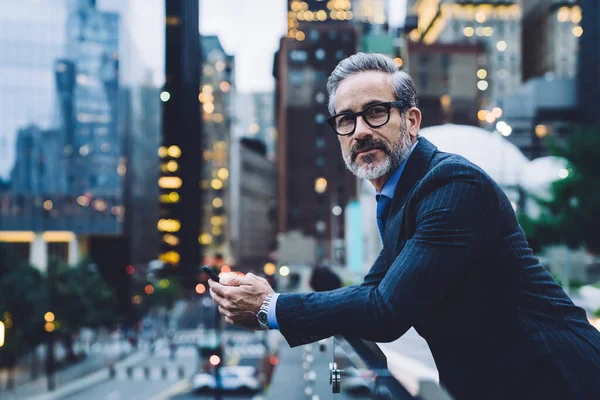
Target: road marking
[(114, 395), (180, 387)]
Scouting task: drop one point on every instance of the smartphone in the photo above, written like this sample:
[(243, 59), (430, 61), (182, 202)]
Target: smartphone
[(210, 273)]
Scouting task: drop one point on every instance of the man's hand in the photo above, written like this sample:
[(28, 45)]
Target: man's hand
[(239, 298)]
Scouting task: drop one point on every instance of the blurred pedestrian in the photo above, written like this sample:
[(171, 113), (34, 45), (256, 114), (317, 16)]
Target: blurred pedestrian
[(323, 278)]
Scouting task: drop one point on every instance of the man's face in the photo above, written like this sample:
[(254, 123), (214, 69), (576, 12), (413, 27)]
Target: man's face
[(371, 153)]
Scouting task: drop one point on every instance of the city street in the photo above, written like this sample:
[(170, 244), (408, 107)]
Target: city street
[(160, 375)]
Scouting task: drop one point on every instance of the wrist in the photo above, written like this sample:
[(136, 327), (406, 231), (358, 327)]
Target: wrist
[(262, 314)]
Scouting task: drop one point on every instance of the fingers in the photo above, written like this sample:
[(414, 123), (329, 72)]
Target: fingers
[(217, 288), (220, 300), (231, 279), (225, 312)]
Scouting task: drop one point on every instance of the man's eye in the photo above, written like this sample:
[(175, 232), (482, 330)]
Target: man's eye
[(344, 120), (377, 111)]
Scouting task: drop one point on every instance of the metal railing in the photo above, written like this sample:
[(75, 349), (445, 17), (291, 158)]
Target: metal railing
[(361, 368)]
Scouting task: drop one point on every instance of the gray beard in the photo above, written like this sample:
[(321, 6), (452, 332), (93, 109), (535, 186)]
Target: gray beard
[(371, 169)]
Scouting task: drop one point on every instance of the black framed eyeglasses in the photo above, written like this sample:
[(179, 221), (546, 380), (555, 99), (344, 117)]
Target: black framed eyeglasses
[(375, 115)]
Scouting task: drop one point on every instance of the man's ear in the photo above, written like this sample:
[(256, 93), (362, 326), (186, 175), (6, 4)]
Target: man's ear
[(413, 121)]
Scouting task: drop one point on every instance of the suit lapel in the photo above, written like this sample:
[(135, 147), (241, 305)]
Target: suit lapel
[(415, 169)]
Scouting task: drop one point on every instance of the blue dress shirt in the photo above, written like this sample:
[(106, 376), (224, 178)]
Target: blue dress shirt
[(388, 190)]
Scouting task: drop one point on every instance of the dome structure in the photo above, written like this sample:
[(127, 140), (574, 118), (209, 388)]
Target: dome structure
[(498, 157), (538, 175)]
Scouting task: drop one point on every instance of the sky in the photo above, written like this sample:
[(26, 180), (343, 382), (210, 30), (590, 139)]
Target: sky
[(248, 29)]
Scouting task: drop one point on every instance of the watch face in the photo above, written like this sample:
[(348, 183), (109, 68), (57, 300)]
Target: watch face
[(263, 318)]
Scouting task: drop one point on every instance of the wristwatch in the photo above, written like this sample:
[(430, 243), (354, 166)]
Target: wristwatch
[(263, 313)]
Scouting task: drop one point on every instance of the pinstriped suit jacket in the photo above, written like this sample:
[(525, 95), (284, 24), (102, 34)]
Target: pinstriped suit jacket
[(456, 265)]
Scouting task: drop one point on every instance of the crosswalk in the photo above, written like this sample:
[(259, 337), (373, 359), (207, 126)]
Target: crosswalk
[(166, 372), (256, 350)]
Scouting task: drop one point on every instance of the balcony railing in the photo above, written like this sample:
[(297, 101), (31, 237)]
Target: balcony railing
[(360, 367)]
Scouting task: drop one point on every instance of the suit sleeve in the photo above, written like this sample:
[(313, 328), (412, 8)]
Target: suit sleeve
[(452, 224)]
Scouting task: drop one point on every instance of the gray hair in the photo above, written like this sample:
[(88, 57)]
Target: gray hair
[(404, 87)]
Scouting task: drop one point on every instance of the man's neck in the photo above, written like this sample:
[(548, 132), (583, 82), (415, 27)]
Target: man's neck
[(379, 183)]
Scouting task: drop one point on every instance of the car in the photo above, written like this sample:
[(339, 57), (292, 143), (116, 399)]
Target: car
[(233, 379)]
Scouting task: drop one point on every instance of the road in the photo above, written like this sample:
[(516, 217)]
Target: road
[(160, 375)]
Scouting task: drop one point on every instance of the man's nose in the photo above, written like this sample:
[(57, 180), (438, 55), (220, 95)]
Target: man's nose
[(362, 129)]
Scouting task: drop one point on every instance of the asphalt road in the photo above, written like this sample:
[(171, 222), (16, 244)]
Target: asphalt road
[(160, 377)]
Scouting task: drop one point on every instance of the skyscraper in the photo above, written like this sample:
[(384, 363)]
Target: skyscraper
[(493, 24), (551, 32), (181, 164), (31, 39), (446, 78), (312, 178), (589, 63), (218, 84)]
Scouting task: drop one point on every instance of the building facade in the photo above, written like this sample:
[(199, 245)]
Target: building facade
[(493, 24), (588, 85), (255, 117), (551, 31), (181, 171), (445, 77), (546, 105), (68, 176), (252, 204), (216, 95), (312, 179)]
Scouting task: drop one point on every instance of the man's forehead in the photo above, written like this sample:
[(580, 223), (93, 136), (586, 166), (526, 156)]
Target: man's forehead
[(362, 88)]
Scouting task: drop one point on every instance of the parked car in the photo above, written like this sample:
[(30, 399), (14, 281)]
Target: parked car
[(237, 378)]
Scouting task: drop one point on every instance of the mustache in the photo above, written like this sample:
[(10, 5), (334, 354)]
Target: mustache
[(368, 145)]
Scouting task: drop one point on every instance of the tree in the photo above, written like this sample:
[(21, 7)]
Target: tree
[(80, 297), (23, 297), (571, 216)]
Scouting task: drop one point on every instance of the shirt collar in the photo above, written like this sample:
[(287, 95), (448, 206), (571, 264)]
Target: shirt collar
[(390, 186)]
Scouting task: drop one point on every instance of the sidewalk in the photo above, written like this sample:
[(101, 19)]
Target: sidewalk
[(26, 388)]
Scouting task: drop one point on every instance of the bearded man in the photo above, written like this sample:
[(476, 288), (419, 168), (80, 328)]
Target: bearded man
[(455, 263)]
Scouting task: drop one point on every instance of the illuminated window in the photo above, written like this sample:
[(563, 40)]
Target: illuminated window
[(169, 257), (223, 173), (171, 239), (541, 131), (169, 225), (208, 107), (172, 166), (172, 197), (162, 151), (174, 151), (254, 128), (172, 20), (217, 202), (225, 86), (169, 182), (320, 185), (216, 184), (205, 239), (220, 66)]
